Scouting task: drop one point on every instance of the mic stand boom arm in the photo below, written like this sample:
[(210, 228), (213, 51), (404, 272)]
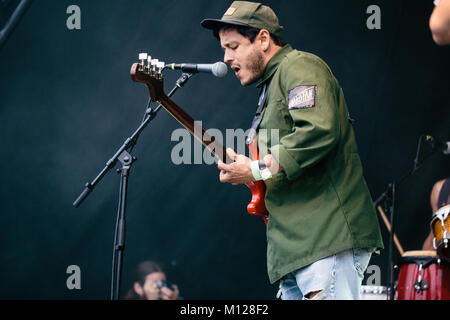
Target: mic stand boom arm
[(129, 142)]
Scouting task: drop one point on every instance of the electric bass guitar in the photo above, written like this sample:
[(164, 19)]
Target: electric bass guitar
[(151, 75)]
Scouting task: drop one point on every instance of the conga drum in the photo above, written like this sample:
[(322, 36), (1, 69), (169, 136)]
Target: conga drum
[(440, 226), (423, 276)]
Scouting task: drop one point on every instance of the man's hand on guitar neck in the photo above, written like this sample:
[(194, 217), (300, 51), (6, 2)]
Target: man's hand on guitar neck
[(240, 171)]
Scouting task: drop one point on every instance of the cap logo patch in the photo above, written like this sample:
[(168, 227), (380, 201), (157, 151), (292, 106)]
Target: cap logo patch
[(230, 11), (302, 97)]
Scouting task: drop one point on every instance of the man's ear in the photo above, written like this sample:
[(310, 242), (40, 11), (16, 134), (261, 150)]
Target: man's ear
[(138, 289), (264, 38)]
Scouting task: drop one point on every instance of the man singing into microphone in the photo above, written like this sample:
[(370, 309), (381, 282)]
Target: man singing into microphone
[(322, 226)]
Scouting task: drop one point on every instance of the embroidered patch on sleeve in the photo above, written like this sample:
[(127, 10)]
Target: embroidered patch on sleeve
[(302, 97)]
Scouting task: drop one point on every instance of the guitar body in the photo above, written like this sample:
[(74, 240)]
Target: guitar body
[(257, 206)]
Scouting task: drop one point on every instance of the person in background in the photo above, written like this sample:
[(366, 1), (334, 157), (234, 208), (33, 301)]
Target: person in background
[(150, 283), (440, 22)]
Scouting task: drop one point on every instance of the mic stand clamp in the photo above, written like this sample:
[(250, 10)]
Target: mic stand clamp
[(183, 79)]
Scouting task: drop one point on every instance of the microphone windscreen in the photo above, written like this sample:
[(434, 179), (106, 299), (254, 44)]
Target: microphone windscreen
[(219, 69)]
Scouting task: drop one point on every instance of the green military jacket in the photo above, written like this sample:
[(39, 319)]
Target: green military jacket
[(319, 204)]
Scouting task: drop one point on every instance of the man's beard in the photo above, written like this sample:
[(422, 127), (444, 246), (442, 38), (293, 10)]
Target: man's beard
[(255, 66)]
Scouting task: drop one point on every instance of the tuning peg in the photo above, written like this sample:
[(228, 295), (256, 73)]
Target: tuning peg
[(142, 57), (154, 62), (160, 66), (149, 63)]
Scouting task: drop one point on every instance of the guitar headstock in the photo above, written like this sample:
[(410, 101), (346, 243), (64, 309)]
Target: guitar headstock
[(149, 71)]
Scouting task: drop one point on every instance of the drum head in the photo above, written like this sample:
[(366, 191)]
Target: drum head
[(423, 257), (420, 253)]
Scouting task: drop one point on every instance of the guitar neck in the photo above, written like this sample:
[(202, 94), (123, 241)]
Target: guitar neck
[(215, 147)]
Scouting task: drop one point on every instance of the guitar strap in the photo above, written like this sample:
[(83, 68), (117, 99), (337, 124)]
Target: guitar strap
[(259, 113)]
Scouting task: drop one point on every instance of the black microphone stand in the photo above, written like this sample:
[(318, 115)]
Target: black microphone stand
[(388, 197), (123, 155)]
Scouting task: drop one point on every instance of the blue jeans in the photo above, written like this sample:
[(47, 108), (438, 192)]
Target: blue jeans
[(337, 277)]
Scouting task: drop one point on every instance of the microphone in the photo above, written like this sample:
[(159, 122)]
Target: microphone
[(218, 69), (444, 146)]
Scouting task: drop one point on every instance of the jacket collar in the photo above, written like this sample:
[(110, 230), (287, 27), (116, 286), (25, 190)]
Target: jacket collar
[(273, 64)]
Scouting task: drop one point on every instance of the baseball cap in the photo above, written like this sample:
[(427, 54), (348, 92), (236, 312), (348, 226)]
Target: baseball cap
[(247, 14)]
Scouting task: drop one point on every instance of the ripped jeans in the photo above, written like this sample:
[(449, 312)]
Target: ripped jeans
[(337, 277)]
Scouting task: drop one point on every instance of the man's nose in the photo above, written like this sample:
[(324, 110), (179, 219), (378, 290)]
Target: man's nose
[(227, 57)]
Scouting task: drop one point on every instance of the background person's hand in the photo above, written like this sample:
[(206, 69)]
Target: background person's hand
[(170, 294)]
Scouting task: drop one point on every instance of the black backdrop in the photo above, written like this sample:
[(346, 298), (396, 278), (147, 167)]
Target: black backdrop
[(67, 103)]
